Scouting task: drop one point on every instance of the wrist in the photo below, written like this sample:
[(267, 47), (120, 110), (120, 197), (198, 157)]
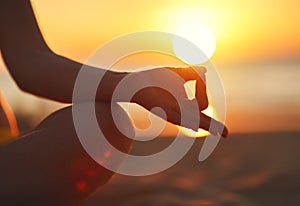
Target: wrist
[(108, 84)]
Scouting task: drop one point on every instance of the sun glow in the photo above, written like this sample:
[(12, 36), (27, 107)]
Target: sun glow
[(198, 26), (201, 26), (201, 36), (210, 111)]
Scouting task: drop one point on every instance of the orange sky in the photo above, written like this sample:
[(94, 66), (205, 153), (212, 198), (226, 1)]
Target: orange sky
[(253, 38), (244, 29)]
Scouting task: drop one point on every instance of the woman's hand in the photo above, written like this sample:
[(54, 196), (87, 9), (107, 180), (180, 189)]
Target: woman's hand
[(166, 90)]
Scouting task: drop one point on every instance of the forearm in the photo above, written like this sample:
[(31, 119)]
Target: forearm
[(34, 67), (51, 76)]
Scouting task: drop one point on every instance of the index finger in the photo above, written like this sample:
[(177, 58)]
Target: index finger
[(195, 73), (201, 91)]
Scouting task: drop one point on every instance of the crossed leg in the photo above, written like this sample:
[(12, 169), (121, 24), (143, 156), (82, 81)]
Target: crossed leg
[(49, 165)]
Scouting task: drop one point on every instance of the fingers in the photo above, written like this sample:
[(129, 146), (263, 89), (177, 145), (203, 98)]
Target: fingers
[(200, 90), (213, 126), (183, 114), (195, 73), (190, 119), (175, 111), (207, 123), (189, 73), (201, 94)]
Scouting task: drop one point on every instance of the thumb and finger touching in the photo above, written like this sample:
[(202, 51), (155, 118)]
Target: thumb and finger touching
[(207, 123), (175, 111)]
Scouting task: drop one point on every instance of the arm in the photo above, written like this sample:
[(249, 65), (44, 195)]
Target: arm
[(34, 67), (39, 71)]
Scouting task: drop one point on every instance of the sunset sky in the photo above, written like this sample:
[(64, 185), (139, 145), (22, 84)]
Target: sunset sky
[(244, 29), (257, 47)]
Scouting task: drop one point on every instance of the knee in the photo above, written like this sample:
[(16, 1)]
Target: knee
[(84, 172), (115, 125)]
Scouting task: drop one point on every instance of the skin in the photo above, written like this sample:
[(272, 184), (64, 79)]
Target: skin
[(49, 166), (55, 169), (35, 67)]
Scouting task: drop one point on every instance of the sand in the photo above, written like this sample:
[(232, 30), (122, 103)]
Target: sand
[(245, 169)]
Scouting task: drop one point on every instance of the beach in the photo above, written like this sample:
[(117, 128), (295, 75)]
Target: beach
[(245, 169)]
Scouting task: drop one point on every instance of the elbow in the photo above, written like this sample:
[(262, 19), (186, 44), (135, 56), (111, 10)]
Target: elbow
[(23, 83), (23, 77), (18, 68)]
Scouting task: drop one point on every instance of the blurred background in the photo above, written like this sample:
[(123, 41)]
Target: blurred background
[(255, 47), (256, 51)]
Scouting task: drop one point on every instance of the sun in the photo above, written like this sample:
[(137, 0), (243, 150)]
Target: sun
[(201, 36)]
